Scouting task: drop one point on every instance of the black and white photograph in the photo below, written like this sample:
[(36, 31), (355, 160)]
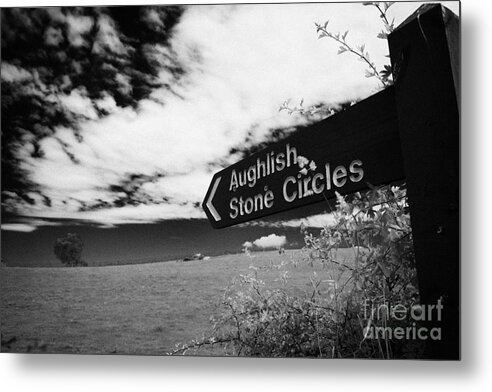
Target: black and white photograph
[(232, 180)]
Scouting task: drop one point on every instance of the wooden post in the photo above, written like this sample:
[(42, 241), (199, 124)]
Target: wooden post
[(424, 54)]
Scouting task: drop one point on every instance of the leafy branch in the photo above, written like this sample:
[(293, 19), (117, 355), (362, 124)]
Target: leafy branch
[(312, 110), (384, 75), (359, 51), (383, 8)]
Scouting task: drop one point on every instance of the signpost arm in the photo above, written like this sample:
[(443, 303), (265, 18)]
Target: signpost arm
[(426, 66)]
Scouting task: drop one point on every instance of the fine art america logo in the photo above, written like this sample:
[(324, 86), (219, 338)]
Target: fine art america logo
[(383, 319)]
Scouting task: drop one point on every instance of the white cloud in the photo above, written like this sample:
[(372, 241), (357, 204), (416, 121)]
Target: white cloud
[(107, 103), (107, 38), (141, 213), (53, 36), (27, 225), (186, 187), (316, 221), (153, 18), (12, 73), (270, 241), (22, 227), (125, 86), (247, 245), (78, 102), (77, 27), (128, 214)]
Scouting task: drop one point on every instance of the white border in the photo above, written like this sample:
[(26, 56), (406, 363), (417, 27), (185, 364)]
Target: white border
[(94, 373)]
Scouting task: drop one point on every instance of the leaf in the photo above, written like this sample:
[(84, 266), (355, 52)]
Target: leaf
[(342, 49), (345, 35), (386, 72), (388, 4), (382, 35)]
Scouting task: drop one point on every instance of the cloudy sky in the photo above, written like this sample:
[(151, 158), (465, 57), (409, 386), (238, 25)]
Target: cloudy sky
[(116, 118)]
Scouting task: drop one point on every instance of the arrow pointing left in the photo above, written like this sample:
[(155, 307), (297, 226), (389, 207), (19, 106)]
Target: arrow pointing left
[(209, 204)]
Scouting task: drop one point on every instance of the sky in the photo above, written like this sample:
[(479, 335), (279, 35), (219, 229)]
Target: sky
[(115, 119)]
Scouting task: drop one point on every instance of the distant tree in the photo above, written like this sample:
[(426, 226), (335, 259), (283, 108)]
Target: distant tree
[(69, 250)]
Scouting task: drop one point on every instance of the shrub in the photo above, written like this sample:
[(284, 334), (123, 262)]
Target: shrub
[(330, 319), (68, 250)]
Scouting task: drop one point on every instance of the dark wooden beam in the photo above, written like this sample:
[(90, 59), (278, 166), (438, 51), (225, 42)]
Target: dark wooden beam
[(425, 57)]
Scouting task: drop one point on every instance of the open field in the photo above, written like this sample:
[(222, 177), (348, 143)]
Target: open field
[(129, 309)]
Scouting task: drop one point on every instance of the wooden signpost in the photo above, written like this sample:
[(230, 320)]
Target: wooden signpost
[(424, 52), (409, 131)]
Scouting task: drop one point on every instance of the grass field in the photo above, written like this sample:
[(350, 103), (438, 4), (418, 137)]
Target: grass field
[(128, 309)]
